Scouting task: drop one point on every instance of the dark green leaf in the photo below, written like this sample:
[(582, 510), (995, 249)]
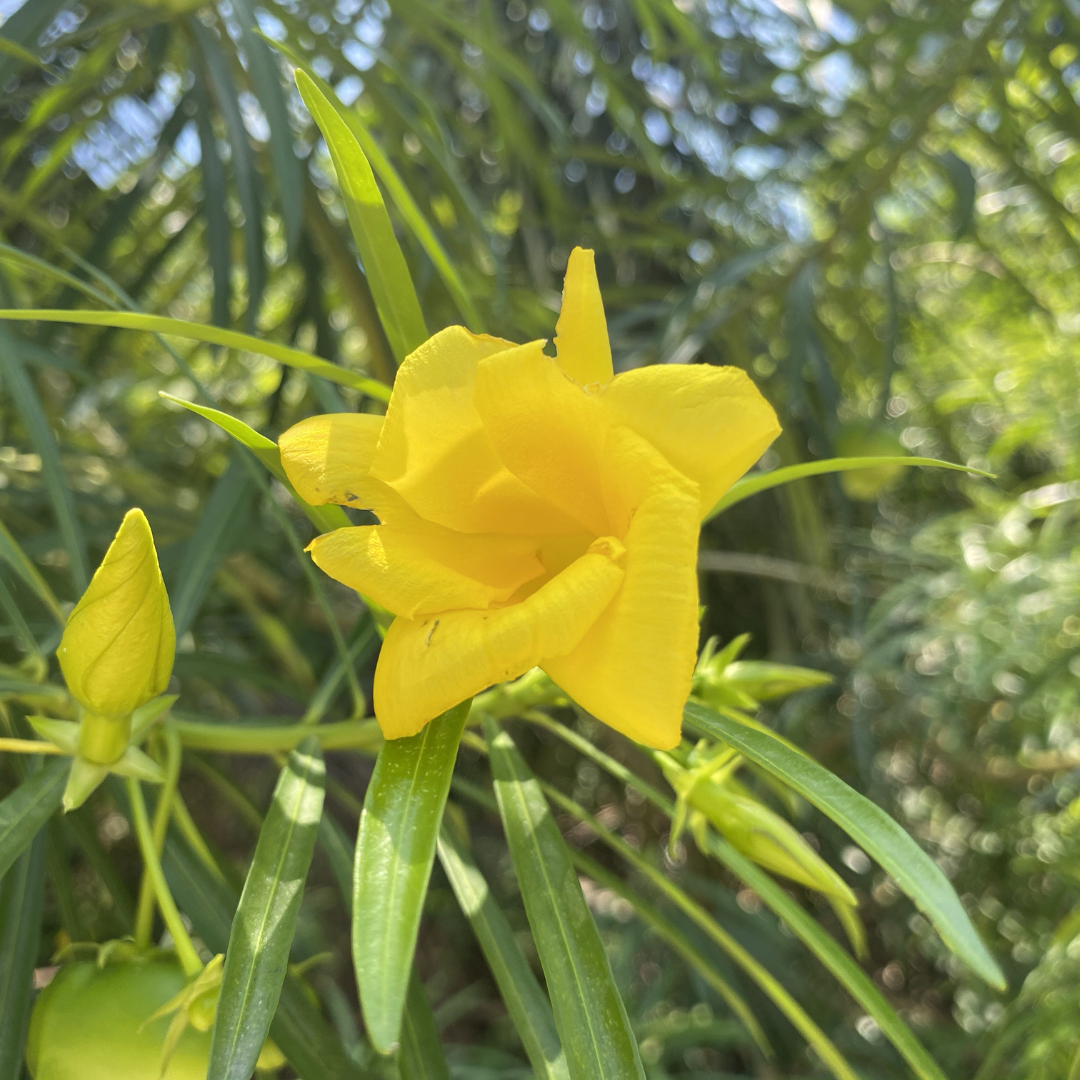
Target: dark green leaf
[(522, 995), (395, 847), (867, 824), (28, 807), (22, 901), (422, 1056), (257, 957), (589, 1013)]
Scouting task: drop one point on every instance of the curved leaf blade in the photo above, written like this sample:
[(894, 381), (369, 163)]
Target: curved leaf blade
[(257, 958), (751, 485), (28, 807), (522, 995), (211, 335), (868, 825), (395, 849), (384, 264), (589, 1013)]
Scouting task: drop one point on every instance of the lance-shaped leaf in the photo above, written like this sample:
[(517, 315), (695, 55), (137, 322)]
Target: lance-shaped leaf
[(868, 825), (324, 518), (384, 264), (257, 958), (422, 1056), (522, 995), (21, 903), (395, 847), (28, 807), (589, 1013), (211, 335), (755, 482)]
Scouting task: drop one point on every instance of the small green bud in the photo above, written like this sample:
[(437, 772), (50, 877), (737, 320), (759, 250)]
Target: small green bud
[(119, 643)]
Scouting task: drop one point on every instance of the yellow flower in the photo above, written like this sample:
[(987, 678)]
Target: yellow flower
[(118, 645), (533, 511)]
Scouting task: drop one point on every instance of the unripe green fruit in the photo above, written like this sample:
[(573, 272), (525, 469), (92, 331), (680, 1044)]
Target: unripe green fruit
[(864, 438), (86, 1024)]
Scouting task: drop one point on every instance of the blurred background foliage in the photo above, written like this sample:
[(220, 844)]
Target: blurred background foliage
[(872, 207)]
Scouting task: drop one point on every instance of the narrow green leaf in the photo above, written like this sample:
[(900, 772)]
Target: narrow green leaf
[(422, 1056), (27, 809), (406, 205), (751, 485), (324, 518), (395, 847), (212, 335), (23, 28), (299, 1029), (223, 516), (257, 958), (868, 825), (589, 1013), (21, 388), (22, 901), (245, 175), (384, 264), (12, 553), (266, 78), (9, 48), (522, 995)]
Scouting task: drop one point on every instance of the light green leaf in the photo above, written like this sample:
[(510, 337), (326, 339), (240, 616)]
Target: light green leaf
[(384, 264), (751, 485), (27, 809), (868, 825), (589, 1013), (522, 995), (22, 901), (402, 198), (9, 48), (212, 335), (257, 957), (324, 518), (395, 848)]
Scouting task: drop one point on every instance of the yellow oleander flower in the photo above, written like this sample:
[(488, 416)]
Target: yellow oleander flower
[(118, 645), (533, 511)]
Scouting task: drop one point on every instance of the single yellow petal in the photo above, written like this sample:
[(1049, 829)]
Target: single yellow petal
[(711, 423), (581, 337), (633, 668), (428, 665), (327, 458), (118, 645), (546, 430), (435, 453), (419, 569)]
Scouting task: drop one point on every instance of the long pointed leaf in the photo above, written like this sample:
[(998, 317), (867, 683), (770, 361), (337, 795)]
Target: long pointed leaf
[(868, 825), (522, 995), (212, 335), (384, 264), (28, 808), (21, 903), (751, 485), (395, 848), (257, 958), (589, 1013), (422, 1056)]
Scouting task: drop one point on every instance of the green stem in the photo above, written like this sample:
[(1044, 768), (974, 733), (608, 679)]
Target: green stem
[(189, 958), (144, 916), (272, 739)]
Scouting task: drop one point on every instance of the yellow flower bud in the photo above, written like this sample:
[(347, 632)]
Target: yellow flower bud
[(118, 646)]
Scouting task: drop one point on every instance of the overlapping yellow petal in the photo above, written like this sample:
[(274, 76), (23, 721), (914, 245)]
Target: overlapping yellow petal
[(581, 338), (436, 454), (428, 665), (633, 668), (416, 568), (327, 458), (545, 429), (711, 423)]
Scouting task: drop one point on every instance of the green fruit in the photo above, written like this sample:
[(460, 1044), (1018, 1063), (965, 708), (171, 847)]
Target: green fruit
[(86, 1024), (864, 438)]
